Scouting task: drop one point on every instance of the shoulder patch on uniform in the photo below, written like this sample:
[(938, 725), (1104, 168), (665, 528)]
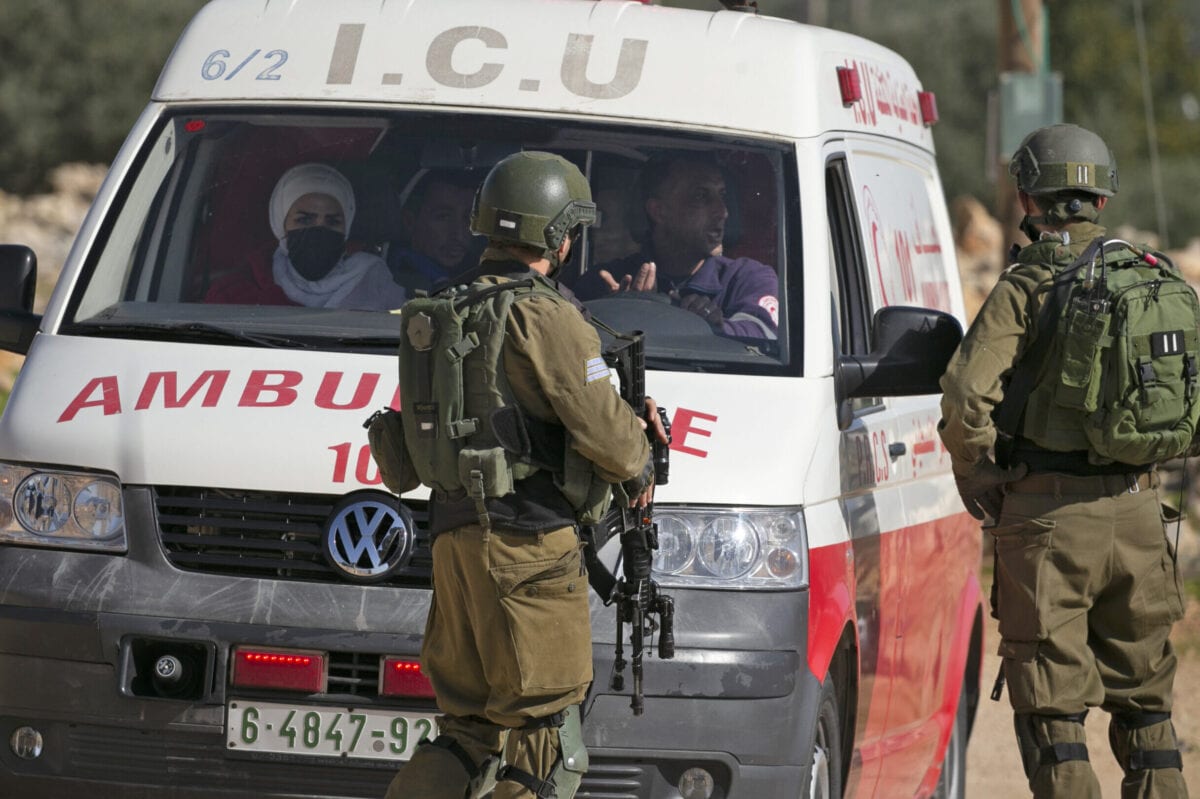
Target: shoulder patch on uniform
[(595, 369)]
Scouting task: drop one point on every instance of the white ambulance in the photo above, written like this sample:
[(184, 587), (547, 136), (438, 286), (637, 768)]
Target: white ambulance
[(205, 590)]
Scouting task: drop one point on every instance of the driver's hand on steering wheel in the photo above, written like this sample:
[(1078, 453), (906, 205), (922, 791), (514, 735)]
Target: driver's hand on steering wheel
[(702, 306), (646, 279)]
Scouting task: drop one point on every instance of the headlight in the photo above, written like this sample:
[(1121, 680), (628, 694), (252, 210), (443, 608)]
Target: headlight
[(728, 547), (676, 544), (48, 507), (731, 548), (43, 503)]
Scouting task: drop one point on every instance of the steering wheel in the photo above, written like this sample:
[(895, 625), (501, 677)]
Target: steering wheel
[(651, 312)]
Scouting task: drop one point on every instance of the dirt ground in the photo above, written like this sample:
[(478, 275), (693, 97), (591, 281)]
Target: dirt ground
[(994, 767)]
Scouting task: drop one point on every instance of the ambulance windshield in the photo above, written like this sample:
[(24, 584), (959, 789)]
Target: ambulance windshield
[(306, 229)]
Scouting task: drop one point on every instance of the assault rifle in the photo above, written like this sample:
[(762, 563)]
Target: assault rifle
[(636, 594)]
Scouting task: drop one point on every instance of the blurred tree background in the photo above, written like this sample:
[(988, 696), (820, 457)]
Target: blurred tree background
[(74, 74)]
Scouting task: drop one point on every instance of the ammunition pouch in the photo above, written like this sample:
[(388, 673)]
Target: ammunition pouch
[(1086, 340), (587, 494), (485, 472), (385, 436)]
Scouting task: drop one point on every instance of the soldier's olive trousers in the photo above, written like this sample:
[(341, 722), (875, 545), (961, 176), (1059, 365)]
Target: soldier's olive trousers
[(1086, 592), (507, 641)]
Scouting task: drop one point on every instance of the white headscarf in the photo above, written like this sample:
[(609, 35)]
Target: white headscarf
[(333, 288), (309, 179)]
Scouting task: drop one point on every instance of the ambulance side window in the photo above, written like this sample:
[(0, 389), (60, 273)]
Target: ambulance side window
[(851, 302)]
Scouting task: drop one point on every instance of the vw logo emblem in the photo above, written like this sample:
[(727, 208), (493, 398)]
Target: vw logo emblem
[(368, 536)]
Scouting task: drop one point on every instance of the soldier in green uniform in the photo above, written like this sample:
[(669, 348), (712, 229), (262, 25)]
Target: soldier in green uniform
[(508, 640), (1086, 584)]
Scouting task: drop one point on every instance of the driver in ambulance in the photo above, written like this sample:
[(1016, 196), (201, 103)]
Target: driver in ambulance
[(684, 199)]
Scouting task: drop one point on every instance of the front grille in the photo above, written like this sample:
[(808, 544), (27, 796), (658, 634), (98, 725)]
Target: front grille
[(353, 673), (266, 535), (166, 759), (616, 780)]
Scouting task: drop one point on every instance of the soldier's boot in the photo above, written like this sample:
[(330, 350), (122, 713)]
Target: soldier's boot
[(544, 759), (461, 763), (1055, 756), (1147, 750)]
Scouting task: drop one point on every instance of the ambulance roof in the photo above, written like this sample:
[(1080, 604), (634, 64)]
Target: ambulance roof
[(608, 58)]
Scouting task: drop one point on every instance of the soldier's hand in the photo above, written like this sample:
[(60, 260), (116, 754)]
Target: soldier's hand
[(653, 422), (982, 486), (653, 426), (640, 489), (646, 497)]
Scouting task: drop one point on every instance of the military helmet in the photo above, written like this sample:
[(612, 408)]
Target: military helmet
[(534, 199), (1063, 157)]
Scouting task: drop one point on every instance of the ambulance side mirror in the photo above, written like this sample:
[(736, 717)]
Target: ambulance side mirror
[(18, 283), (910, 348)]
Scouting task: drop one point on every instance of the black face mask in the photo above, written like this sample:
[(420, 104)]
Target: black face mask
[(314, 251)]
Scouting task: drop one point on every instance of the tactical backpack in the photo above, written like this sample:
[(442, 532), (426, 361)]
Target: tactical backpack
[(463, 434), (1114, 367)]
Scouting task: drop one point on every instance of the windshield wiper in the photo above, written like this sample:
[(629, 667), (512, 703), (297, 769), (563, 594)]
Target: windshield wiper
[(371, 341), (192, 331)]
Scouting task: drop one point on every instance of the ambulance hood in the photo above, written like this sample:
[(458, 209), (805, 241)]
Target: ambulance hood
[(162, 413)]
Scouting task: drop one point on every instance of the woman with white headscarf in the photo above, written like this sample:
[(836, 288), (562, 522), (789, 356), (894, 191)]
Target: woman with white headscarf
[(311, 211)]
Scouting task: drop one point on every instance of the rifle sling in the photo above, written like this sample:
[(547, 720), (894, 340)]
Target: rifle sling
[(602, 581)]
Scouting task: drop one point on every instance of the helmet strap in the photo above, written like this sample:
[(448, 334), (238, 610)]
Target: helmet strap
[(1029, 224), (557, 263)]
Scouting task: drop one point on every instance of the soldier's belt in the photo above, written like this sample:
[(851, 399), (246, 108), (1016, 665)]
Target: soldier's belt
[(1109, 485)]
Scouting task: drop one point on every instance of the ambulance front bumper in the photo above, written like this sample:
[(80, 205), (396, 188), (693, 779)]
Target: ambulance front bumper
[(97, 742)]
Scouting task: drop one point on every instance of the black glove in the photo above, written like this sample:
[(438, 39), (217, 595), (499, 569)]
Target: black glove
[(982, 486), (640, 482)]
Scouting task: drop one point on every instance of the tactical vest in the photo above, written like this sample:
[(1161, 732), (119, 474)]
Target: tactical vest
[(1120, 379), (463, 427)]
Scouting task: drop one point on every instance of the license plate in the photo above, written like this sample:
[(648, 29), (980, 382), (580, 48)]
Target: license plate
[(322, 731)]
